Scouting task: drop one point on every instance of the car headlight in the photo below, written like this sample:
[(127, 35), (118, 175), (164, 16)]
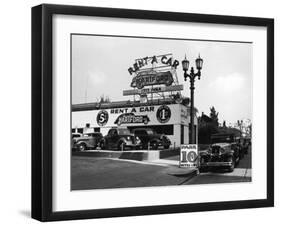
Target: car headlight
[(138, 140), (128, 138)]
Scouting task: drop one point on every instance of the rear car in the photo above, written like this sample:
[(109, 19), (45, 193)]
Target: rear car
[(223, 152), (245, 144)]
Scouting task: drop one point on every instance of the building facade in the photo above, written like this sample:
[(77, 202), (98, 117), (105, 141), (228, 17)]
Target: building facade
[(164, 117)]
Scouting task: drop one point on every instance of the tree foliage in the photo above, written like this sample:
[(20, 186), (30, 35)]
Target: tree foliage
[(214, 116), (103, 99), (208, 125)]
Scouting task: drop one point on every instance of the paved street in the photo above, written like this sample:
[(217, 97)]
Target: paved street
[(95, 173), (100, 173)]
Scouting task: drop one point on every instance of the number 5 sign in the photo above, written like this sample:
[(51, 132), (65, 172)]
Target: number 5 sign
[(189, 155)]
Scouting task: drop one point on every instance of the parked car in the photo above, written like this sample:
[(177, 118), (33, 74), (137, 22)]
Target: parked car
[(223, 152), (120, 138), (245, 144), (149, 138), (86, 141)]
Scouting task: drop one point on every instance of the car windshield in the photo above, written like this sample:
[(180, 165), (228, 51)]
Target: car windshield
[(76, 135), (225, 139), (124, 132), (86, 135), (91, 134), (149, 131), (144, 131)]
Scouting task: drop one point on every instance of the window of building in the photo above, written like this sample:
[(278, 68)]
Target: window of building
[(80, 130), (97, 130)]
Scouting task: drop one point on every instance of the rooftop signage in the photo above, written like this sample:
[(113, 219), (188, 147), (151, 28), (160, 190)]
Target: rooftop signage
[(153, 75), (152, 90), (149, 78), (149, 62)]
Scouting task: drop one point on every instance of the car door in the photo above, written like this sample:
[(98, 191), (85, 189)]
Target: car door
[(146, 137), (142, 134), (112, 138), (92, 142), (96, 137)]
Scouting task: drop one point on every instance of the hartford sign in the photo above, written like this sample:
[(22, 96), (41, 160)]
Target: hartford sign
[(131, 118), (150, 78)]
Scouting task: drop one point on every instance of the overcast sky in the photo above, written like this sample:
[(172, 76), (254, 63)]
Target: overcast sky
[(100, 67)]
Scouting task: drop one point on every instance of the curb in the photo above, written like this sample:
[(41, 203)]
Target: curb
[(182, 172), (132, 155)]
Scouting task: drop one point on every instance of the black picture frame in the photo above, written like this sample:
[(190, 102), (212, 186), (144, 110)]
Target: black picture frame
[(42, 107)]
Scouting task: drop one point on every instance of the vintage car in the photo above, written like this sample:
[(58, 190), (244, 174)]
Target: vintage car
[(120, 139), (223, 152), (86, 141), (245, 143), (150, 139)]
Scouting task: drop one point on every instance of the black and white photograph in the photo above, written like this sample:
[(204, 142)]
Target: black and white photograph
[(143, 112), (154, 111)]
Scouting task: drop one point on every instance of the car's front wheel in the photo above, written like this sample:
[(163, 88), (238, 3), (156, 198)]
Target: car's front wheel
[(102, 145), (82, 147)]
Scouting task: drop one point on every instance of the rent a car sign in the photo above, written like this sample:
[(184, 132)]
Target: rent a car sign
[(188, 155)]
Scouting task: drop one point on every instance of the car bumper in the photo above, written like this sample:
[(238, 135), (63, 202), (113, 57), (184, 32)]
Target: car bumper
[(215, 164), (132, 145)]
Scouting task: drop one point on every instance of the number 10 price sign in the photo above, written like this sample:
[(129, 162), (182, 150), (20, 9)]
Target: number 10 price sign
[(188, 155)]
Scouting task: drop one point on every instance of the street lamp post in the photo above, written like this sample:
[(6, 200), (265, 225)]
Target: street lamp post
[(192, 75)]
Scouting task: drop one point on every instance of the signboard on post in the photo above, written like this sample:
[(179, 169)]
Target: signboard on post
[(189, 155), (152, 90)]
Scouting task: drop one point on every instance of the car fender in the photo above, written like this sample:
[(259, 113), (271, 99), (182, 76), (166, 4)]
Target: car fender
[(203, 153), (122, 139), (82, 142)]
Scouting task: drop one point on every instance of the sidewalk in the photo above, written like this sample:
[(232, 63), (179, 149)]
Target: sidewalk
[(172, 167)]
